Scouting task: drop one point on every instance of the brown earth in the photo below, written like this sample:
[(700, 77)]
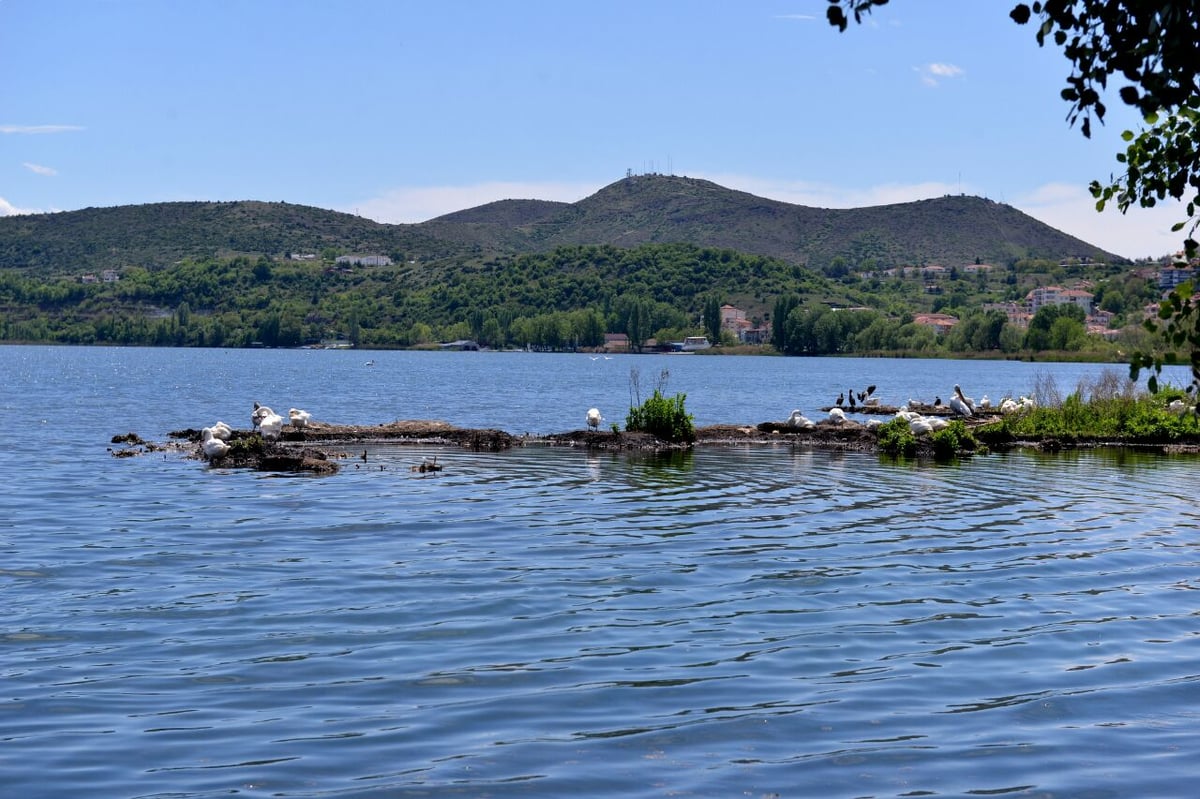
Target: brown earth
[(320, 446)]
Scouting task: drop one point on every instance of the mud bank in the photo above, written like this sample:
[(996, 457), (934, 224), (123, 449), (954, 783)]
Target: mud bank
[(320, 448)]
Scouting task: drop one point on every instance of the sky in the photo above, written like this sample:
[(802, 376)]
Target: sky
[(403, 110)]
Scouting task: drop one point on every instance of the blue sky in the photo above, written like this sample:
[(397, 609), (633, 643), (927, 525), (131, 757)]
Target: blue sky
[(402, 110)]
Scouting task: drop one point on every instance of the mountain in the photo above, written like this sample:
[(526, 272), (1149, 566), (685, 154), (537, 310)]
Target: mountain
[(662, 209), (951, 230)]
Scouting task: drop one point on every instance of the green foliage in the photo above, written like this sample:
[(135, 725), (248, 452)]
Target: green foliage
[(952, 439), (895, 438), (662, 417), (1120, 417)]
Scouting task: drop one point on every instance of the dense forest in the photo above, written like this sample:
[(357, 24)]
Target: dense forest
[(653, 257), (564, 299)]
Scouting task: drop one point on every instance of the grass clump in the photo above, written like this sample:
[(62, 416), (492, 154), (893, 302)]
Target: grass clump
[(895, 438), (951, 440), (661, 416), (1108, 408)]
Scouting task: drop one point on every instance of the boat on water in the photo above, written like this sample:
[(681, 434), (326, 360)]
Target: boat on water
[(691, 344)]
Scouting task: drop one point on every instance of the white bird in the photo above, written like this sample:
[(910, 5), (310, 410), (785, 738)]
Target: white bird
[(211, 446), (1177, 407), (920, 424), (370, 362), (271, 425), (1009, 405), (799, 420), (960, 404), (837, 415), (222, 431), (985, 403), (594, 418), (299, 418), (260, 413)]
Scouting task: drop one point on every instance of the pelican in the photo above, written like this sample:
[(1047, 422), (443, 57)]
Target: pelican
[(211, 446), (837, 415), (370, 362), (594, 418), (299, 418), (1009, 405), (985, 403), (970, 403), (222, 431), (271, 425), (959, 404), (799, 420)]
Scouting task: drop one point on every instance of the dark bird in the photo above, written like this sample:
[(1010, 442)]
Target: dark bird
[(937, 402), (870, 390), (851, 394), (841, 398), (427, 465)]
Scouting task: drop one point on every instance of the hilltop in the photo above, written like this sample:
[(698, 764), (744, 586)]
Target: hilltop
[(951, 230)]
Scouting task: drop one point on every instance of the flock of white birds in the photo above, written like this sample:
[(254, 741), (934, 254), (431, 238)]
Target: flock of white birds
[(214, 441)]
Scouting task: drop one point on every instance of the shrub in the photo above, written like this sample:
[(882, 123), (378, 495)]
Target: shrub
[(895, 438), (662, 417), (951, 440)]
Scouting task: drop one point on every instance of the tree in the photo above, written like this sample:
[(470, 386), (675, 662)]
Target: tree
[(1151, 44), (712, 318), (1056, 327)]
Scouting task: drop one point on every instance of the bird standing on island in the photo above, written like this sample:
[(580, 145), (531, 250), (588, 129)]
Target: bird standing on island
[(299, 418), (260, 412), (837, 415), (594, 418), (841, 398), (961, 405), (270, 425)]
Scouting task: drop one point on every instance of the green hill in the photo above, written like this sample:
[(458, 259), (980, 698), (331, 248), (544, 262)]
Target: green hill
[(636, 210)]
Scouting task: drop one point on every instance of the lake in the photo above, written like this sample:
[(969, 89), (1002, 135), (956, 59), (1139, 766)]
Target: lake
[(735, 621)]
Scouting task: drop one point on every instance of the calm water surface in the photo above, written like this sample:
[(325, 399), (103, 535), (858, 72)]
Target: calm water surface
[(731, 622)]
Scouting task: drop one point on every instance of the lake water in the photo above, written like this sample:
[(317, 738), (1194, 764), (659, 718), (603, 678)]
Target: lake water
[(741, 621)]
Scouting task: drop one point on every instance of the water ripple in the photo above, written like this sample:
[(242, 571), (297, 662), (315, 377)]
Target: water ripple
[(741, 621)]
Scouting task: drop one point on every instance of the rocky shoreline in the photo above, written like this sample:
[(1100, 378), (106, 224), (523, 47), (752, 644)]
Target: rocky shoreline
[(320, 447)]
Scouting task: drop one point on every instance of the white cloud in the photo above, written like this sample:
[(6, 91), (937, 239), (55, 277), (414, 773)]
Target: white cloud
[(39, 128), (1138, 233), (8, 209), (38, 169), (422, 203), (933, 74)]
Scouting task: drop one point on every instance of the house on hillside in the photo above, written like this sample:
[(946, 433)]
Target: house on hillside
[(940, 322), (1171, 276), (734, 320), (364, 260), (1057, 295)]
